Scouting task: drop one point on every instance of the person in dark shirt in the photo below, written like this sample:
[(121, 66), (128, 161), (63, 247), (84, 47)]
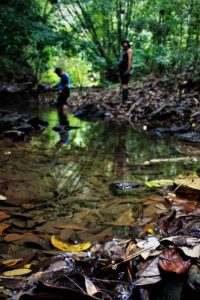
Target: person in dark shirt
[(125, 64), (63, 87)]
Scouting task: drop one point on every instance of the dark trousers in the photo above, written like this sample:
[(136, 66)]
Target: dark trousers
[(62, 97)]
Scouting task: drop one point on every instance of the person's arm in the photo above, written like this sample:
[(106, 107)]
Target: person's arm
[(130, 57)]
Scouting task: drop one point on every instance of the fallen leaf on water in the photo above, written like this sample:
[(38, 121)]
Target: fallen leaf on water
[(193, 183), (3, 216), (159, 183), (90, 287), (73, 227), (171, 261), (3, 227), (67, 247), (17, 272)]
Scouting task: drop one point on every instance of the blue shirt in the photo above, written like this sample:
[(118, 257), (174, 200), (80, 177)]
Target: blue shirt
[(64, 80)]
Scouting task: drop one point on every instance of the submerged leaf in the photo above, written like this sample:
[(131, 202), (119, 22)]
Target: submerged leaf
[(73, 227), (3, 216), (67, 247), (3, 227)]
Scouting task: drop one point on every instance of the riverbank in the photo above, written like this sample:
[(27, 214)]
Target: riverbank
[(165, 106)]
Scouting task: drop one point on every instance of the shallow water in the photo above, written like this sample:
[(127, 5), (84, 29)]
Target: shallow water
[(65, 177)]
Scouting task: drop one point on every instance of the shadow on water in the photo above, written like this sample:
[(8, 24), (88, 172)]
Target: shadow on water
[(69, 168)]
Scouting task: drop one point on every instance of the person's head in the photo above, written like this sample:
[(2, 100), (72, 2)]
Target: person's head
[(59, 71), (125, 44)]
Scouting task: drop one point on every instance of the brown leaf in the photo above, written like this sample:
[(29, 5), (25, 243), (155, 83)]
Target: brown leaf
[(14, 237), (186, 206), (3, 227), (3, 216), (171, 261), (126, 219), (73, 227), (11, 237)]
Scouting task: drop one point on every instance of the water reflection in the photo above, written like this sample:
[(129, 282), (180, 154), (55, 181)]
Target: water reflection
[(108, 152), (78, 162)]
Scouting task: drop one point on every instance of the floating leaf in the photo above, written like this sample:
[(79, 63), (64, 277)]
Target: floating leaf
[(3, 227), (159, 183), (190, 182), (171, 261), (17, 272), (67, 247)]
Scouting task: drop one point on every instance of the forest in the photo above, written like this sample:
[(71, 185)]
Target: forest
[(86, 37), (100, 149)]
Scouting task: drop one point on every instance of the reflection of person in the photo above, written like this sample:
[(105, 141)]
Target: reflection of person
[(64, 128), (125, 64), (63, 87)]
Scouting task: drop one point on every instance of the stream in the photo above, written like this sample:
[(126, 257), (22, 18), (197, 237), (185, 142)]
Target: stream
[(62, 178)]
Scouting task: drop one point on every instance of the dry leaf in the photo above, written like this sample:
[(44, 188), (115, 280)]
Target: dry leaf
[(67, 247), (149, 274), (151, 242), (3, 198), (3, 227), (17, 272), (90, 287), (192, 252), (171, 261)]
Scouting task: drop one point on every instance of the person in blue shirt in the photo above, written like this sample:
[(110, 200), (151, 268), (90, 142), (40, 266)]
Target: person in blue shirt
[(63, 87)]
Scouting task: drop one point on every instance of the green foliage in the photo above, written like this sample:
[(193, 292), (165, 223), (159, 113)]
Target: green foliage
[(165, 36), (80, 72)]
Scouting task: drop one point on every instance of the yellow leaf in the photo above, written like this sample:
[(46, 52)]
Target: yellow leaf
[(11, 262), (190, 182), (17, 272), (67, 247), (150, 230), (27, 266)]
